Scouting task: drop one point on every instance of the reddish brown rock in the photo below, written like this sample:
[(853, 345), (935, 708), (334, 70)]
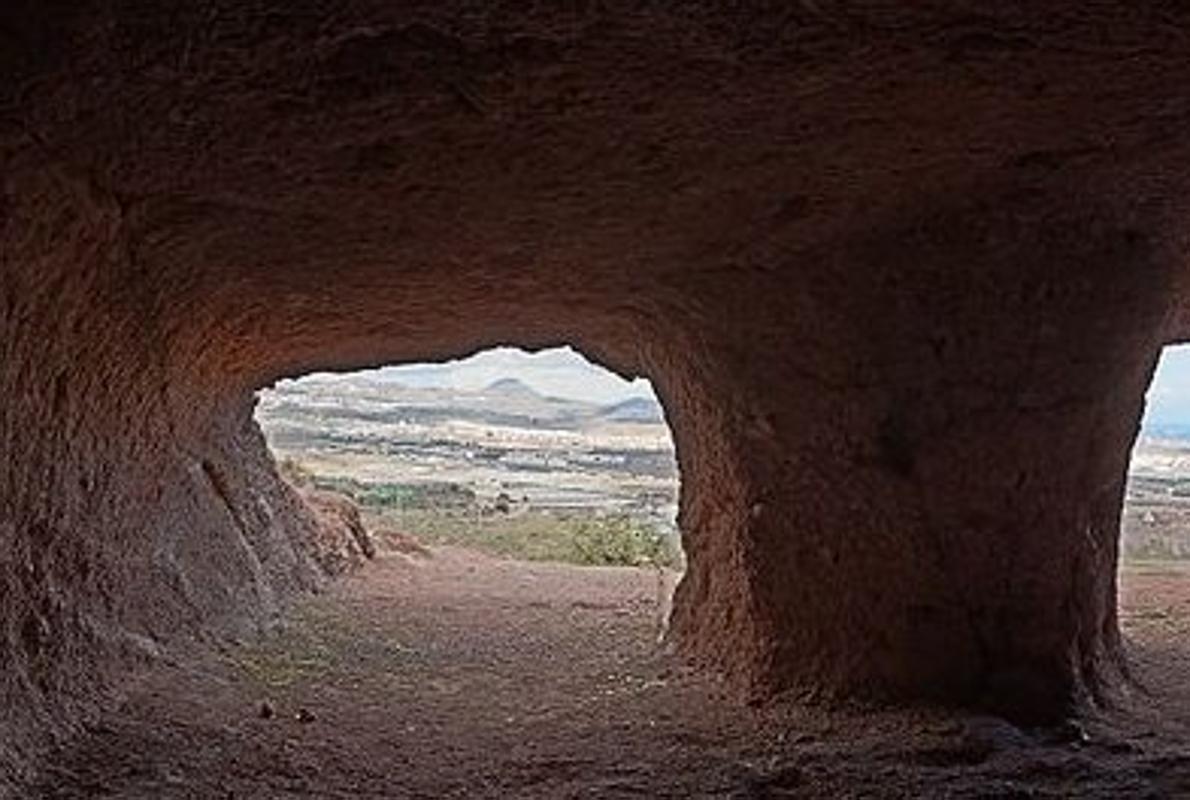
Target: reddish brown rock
[(899, 271), (341, 543)]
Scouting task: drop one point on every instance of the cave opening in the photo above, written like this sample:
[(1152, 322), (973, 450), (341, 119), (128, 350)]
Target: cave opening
[(1154, 564), (1155, 524), (542, 456)]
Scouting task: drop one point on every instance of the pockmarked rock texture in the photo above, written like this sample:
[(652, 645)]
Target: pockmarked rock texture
[(900, 273)]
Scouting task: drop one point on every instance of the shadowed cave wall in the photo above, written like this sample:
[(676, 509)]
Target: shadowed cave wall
[(899, 276)]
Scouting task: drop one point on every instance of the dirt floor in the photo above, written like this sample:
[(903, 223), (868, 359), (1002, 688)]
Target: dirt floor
[(459, 675)]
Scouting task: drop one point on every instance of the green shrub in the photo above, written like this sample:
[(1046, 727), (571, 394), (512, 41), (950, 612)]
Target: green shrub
[(622, 541)]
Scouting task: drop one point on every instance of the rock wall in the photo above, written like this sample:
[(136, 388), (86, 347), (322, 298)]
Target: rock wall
[(923, 503), (132, 509), (899, 271)]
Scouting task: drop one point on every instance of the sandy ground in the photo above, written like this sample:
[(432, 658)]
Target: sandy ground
[(461, 676)]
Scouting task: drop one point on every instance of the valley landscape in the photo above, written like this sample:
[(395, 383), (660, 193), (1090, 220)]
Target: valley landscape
[(503, 468)]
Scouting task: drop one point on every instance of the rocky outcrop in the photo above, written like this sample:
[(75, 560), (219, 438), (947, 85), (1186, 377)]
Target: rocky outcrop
[(342, 544), (898, 271)]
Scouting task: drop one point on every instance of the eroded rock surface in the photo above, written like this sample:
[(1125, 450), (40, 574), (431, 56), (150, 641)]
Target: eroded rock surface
[(899, 272), (342, 543)]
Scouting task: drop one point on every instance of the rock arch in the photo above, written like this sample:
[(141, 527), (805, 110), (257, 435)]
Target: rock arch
[(900, 277)]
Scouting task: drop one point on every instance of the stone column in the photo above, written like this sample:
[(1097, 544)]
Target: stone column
[(903, 471)]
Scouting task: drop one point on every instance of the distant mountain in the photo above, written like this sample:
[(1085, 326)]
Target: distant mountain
[(508, 403), (635, 409), (511, 386)]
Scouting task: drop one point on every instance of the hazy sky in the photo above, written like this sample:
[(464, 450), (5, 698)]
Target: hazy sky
[(560, 372), (1168, 400)]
